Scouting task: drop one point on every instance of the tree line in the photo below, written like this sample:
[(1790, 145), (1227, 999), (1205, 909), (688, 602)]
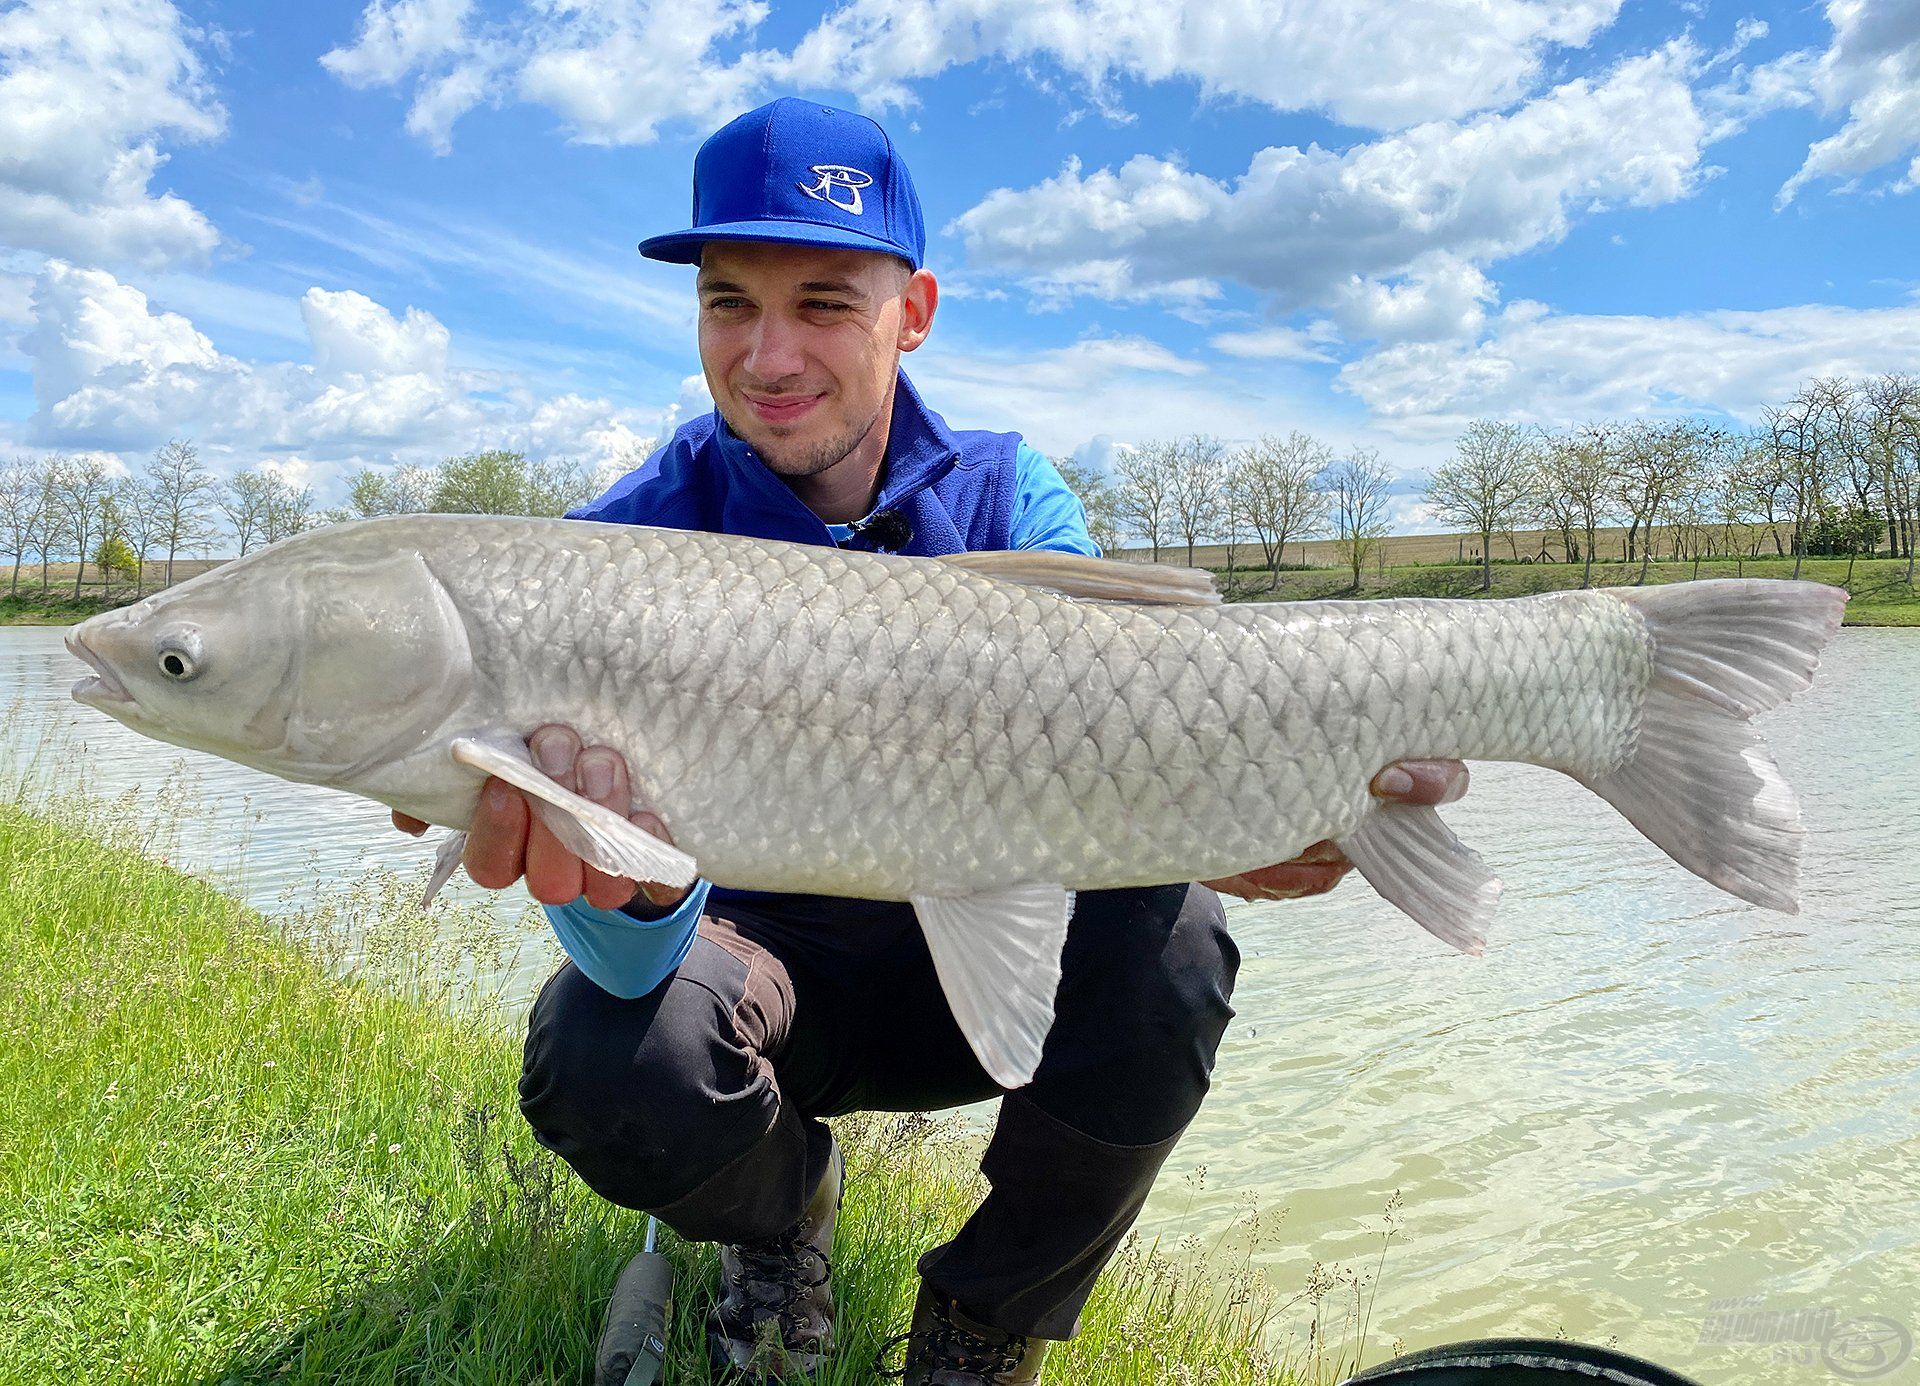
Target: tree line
[(60, 508), (1833, 471)]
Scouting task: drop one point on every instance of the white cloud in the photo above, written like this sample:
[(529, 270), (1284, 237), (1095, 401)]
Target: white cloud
[(1537, 366), (617, 69), (1370, 63), (395, 38), (1425, 207), (1097, 393), (1275, 343), (111, 371), (87, 91), (1872, 69)]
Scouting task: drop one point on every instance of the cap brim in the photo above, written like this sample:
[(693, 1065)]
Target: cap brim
[(683, 247)]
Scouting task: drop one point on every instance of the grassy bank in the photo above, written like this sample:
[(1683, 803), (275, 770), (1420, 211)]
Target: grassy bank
[(223, 1162), (57, 606), (1881, 594)]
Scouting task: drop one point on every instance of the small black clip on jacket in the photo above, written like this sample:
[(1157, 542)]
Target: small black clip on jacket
[(887, 530)]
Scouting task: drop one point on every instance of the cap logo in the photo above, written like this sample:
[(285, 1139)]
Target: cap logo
[(833, 176)]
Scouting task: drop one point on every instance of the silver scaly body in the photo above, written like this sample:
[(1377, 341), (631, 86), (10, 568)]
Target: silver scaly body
[(980, 734)]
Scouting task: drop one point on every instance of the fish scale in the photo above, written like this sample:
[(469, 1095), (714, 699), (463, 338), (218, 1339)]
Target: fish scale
[(980, 735)]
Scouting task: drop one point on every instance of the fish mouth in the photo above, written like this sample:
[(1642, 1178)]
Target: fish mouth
[(105, 687)]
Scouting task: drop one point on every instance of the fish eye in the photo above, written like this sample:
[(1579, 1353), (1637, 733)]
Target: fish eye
[(180, 659)]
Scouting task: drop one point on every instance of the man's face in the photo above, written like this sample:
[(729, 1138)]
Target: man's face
[(800, 345)]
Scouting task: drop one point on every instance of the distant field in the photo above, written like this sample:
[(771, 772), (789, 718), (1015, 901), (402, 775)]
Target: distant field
[(1881, 593), (1527, 544)]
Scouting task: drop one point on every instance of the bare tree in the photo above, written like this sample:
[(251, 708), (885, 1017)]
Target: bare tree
[(1806, 451), (80, 487), (1097, 498), (1736, 497), (1892, 404), (1357, 488), (1649, 466), (184, 500), (1198, 486), (1570, 492), (1146, 474), (285, 509), (142, 522), (1277, 493), (1488, 485), (48, 528), (244, 502), (21, 499)]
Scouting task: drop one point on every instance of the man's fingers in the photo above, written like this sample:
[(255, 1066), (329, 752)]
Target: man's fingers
[(601, 775), (497, 837), (1427, 783), (554, 874), (1290, 880), (408, 824)]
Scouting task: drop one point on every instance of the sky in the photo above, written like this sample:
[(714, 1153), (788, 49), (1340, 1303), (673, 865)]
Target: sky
[(336, 235)]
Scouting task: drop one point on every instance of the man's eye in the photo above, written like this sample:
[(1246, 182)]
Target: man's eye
[(725, 304), (820, 303)]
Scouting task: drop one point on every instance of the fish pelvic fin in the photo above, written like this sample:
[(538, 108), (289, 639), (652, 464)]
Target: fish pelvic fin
[(997, 955), (592, 832), (1412, 858), (1700, 782)]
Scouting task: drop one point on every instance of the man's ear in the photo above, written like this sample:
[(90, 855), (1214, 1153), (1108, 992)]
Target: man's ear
[(917, 303)]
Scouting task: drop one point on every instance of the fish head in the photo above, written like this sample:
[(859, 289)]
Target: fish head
[(306, 660)]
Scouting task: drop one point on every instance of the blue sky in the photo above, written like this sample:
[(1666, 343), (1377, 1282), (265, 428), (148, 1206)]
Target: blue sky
[(335, 235)]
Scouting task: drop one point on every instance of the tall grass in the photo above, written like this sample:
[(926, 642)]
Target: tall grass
[(232, 1152)]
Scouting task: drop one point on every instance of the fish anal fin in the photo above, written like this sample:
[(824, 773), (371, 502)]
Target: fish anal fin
[(998, 958), (1093, 579), (1410, 856), (590, 831)]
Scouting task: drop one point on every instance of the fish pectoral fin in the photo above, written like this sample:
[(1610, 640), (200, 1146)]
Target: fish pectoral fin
[(1409, 854), (590, 831), (444, 861), (1093, 579), (998, 958)]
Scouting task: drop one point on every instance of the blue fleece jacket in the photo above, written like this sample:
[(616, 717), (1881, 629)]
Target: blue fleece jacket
[(942, 491)]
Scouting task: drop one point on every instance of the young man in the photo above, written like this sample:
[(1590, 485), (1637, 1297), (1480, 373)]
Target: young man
[(683, 1058)]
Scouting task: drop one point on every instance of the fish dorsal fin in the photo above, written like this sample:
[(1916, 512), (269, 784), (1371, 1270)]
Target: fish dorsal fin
[(997, 955), (1093, 579)]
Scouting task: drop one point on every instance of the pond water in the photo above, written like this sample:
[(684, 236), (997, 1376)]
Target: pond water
[(1649, 1114)]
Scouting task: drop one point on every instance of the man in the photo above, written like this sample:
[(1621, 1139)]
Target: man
[(682, 1058)]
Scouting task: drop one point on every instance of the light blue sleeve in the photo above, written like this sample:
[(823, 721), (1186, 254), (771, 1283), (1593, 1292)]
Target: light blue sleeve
[(623, 955), (1046, 513)]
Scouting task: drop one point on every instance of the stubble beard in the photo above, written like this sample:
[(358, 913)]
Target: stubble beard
[(795, 459)]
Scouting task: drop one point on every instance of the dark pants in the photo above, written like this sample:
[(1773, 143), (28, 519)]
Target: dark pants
[(701, 1101)]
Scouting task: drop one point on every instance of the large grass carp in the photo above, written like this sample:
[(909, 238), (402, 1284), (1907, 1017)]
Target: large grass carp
[(981, 735)]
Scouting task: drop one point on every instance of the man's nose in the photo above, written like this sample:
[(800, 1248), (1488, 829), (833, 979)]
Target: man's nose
[(775, 352)]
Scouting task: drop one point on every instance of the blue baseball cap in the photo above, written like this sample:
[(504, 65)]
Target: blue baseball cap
[(799, 173)]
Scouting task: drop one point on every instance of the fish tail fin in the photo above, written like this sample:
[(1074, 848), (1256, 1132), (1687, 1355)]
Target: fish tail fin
[(1700, 782)]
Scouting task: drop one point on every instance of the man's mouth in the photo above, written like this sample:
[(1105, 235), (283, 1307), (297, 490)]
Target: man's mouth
[(105, 687), (782, 409)]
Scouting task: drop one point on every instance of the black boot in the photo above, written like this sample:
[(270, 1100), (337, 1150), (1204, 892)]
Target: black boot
[(946, 1348), (774, 1321)]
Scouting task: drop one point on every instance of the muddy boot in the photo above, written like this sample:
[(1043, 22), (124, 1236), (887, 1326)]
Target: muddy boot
[(774, 1321), (946, 1348)]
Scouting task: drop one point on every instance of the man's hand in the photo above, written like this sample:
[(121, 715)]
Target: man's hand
[(506, 841), (1319, 869)]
